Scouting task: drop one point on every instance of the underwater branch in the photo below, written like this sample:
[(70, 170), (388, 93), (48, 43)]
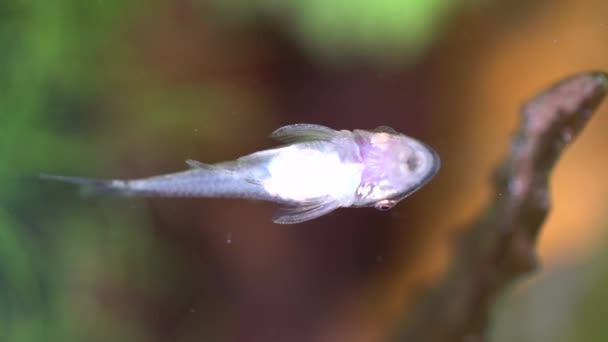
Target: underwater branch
[(500, 245)]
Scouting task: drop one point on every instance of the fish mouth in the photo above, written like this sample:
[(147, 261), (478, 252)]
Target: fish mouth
[(436, 165)]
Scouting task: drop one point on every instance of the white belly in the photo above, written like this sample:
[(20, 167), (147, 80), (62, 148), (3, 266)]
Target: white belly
[(300, 174)]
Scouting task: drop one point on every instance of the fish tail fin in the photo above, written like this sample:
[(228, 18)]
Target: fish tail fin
[(92, 186)]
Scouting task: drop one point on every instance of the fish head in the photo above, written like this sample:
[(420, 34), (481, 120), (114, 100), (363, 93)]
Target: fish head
[(394, 166)]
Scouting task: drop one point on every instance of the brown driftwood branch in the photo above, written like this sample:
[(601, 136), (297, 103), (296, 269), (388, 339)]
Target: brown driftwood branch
[(500, 245)]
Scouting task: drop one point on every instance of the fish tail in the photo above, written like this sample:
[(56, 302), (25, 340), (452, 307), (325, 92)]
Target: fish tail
[(92, 186)]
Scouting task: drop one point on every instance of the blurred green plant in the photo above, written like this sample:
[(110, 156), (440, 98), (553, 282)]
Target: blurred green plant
[(337, 31), (48, 84), (565, 303), (590, 311)]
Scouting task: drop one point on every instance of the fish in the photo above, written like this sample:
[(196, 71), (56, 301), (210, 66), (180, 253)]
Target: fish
[(315, 171)]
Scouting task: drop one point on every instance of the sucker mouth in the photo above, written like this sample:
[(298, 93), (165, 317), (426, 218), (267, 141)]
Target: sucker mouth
[(436, 162), (436, 165)]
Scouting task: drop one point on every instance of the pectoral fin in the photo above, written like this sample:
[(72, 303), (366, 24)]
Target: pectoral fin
[(303, 132), (305, 211), (195, 164)]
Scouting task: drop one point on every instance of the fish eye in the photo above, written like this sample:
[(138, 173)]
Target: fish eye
[(385, 129), (385, 204)]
